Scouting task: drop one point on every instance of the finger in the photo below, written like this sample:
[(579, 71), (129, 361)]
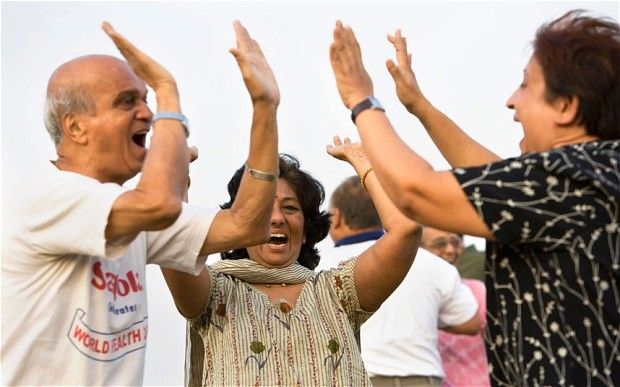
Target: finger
[(107, 27), (193, 153), (236, 54), (330, 150), (337, 141), (353, 47), (390, 38), (338, 30), (401, 48), (347, 140), (242, 36), (256, 48), (128, 50), (334, 57), (392, 69)]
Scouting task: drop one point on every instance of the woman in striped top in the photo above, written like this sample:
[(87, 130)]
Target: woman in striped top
[(266, 318)]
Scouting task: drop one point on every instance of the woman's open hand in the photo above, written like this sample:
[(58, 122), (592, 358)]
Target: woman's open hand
[(351, 152), (354, 83), (257, 75)]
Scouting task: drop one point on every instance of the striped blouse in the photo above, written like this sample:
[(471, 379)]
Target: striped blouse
[(242, 339)]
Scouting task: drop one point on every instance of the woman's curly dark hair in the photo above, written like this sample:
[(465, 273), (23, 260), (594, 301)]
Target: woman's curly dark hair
[(311, 195)]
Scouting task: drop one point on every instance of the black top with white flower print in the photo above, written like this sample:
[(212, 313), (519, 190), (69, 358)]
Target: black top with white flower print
[(552, 277)]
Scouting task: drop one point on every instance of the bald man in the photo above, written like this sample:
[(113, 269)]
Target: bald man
[(75, 242)]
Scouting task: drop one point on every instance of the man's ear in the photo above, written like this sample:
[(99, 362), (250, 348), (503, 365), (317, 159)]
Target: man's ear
[(336, 218), (74, 128), (567, 109)]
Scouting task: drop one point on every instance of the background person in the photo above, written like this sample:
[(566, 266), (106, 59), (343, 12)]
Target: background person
[(399, 342), (355, 224), (463, 358), (550, 215), (76, 244)]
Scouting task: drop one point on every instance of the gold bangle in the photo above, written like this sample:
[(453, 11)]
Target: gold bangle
[(260, 175), (363, 178)]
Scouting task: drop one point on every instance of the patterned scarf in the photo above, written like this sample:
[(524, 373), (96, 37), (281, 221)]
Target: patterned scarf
[(252, 272)]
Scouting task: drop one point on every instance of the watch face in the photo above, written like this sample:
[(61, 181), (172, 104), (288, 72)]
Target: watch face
[(374, 103)]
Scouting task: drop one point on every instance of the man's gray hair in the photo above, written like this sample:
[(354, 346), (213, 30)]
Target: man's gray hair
[(65, 99)]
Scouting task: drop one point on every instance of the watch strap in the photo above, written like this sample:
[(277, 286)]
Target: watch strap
[(369, 102), (173, 116)]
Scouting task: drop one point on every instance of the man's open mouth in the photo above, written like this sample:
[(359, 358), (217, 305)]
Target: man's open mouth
[(139, 139)]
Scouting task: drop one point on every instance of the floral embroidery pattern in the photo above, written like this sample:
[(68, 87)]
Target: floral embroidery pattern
[(221, 312), (285, 308), (258, 348), (333, 347), (332, 361)]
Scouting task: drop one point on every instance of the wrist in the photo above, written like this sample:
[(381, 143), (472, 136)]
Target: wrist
[(174, 115), (265, 105), (367, 103), (167, 96), (364, 177), (419, 107), (354, 100)]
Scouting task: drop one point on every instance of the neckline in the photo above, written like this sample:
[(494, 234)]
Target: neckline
[(277, 303)]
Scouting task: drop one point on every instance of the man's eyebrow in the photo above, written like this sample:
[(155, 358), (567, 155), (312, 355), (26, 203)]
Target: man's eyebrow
[(127, 93)]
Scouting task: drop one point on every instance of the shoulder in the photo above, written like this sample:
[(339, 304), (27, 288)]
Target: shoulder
[(331, 256), (426, 259), (475, 285), (48, 181)]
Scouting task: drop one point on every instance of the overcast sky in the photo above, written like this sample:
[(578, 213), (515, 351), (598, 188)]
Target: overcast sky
[(468, 57)]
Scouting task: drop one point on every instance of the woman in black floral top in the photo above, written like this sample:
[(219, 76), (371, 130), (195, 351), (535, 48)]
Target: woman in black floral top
[(551, 216)]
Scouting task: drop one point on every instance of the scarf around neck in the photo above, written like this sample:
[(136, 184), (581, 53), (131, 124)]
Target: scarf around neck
[(249, 271)]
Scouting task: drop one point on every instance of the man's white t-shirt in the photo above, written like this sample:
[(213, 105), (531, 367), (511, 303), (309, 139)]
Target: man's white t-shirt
[(74, 309), (400, 339)]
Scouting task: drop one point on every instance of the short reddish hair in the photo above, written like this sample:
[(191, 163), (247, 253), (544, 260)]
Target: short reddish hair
[(580, 57)]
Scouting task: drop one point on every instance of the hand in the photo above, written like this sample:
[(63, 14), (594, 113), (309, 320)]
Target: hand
[(257, 75), (151, 72), (193, 155), (354, 83), (351, 152), (407, 87)]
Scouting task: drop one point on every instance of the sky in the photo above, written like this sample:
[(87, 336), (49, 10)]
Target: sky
[(468, 58)]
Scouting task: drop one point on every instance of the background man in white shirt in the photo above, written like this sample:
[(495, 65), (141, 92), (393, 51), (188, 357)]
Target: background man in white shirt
[(399, 342)]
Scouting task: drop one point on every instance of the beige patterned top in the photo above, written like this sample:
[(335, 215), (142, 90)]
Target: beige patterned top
[(242, 339)]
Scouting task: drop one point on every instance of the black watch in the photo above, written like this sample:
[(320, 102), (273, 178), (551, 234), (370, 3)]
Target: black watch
[(369, 103)]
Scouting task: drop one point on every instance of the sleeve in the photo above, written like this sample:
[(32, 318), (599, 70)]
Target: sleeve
[(67, 213), (178, 246), (458, 306), (342, 279), (480, 293), (533, 198)]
